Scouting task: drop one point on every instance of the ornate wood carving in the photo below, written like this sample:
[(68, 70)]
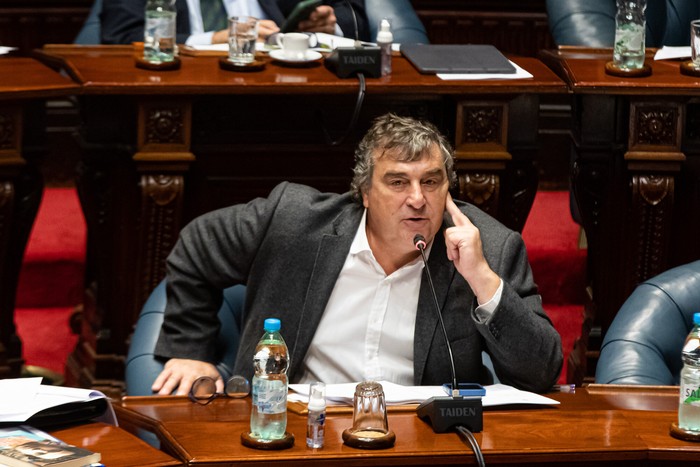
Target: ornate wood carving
[(652, 206), (164, 125), (481, 124), (480, 189), (161, 204), (655, 126)]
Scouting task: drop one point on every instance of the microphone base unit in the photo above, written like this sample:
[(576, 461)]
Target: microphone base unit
[(347, 62), (445, 413)]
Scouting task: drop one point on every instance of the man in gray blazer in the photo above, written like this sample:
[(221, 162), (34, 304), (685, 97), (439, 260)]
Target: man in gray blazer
[(343, 275)]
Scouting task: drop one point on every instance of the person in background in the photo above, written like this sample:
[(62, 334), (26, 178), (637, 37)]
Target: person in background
[(343, 275), (123, 20)]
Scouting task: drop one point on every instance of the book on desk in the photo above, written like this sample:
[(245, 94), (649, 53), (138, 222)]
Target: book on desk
[(25, 446)]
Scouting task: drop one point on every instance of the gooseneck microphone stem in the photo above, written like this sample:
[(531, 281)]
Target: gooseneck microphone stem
[(354, 21), (420, 244)]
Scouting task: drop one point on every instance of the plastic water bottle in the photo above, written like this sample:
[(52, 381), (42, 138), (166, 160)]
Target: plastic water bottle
[(268, 419), (384, 40), (689, 405), (159, 31), (630, 29)]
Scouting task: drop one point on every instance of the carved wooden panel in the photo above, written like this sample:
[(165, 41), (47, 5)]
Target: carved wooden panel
[(655, 126), (652, 207), (480, 152), (161, 205), (164, 126)]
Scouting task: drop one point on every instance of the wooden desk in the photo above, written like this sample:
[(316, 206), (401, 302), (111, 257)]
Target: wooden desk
[(596, 426), (163, 147), (636, 174), (117, 447), (24, 85)]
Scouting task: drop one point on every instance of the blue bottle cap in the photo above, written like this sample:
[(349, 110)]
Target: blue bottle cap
[(696, 318), (272, 324)]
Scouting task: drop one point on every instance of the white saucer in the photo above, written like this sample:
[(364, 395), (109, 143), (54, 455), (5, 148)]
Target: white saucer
[(309, 56)]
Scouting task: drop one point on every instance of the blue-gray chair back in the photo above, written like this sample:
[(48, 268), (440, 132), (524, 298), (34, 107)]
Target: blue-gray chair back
[(644, 342)]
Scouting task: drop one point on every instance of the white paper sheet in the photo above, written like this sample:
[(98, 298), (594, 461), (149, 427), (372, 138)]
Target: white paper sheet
[(520, 73), (396, 394), (668, 53)]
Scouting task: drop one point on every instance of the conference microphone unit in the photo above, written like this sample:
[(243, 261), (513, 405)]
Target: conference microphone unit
[(462, 408)]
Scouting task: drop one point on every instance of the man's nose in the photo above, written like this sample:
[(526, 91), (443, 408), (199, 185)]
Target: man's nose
[(416, 198)]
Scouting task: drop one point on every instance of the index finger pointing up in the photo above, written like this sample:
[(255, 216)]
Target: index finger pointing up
[(458, 217)]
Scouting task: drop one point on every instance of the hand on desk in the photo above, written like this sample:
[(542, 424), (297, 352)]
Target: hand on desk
[(179, 374)]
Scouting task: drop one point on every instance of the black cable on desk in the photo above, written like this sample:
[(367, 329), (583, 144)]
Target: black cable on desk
[(355, 115), (468, 436)]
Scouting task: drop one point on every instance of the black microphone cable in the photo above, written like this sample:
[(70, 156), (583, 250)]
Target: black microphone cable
[(353, 120), (468, 437), (360, 93), (462, 431)]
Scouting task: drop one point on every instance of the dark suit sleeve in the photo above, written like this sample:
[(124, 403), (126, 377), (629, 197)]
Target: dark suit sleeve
[(122, 21), (213, 252)]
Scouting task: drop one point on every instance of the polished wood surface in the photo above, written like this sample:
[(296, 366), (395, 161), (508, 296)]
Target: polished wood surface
[(24, 85), (161, 147), (117, 447), (597, 425), (636, 175)]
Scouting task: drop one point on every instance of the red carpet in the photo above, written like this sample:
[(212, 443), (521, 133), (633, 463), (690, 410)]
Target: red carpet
[(52, 274), (558, 265)]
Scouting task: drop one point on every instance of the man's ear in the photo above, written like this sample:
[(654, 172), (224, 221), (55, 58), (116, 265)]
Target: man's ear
[(365, 202)]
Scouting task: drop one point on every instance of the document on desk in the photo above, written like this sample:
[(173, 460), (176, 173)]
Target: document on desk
[(396, 394), (520, 73), (27, 400)]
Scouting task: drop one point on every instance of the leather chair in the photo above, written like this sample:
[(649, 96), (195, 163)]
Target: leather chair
[(406, 27), (644, 342), (592, 22), (142, 366)]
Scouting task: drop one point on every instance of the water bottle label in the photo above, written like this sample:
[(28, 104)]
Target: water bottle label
[(690, 395), (270, 396)]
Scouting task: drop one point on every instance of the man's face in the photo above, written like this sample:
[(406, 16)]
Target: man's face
[(404, 199)]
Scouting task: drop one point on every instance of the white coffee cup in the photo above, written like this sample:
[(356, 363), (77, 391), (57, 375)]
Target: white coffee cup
[(293, 44)]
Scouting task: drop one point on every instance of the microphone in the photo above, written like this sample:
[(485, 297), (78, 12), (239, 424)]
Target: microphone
[(463, 407)]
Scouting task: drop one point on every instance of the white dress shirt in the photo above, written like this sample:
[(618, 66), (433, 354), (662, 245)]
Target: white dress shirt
[(366, 331)]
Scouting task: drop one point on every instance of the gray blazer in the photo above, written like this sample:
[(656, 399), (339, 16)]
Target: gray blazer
[(289, 249)]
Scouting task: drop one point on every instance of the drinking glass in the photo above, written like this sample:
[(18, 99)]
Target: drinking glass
[(695, 42), (370, 427), (242, 35)]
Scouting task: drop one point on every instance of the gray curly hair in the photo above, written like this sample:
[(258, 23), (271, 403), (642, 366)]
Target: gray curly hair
[(408, 139)]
